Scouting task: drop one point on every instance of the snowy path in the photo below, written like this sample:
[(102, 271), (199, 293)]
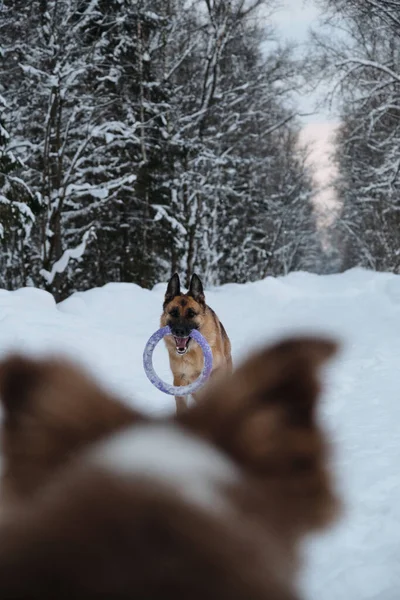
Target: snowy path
[(106, 329)]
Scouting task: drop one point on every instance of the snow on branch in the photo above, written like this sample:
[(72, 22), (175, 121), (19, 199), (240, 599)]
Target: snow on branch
[(162, 213), (72, 253), (372, 65)]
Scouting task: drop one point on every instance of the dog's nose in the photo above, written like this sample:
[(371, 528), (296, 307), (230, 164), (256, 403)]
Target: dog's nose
[(180, 332)]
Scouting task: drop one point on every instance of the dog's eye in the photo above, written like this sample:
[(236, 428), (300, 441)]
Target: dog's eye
[(190, 313), (174, 313)]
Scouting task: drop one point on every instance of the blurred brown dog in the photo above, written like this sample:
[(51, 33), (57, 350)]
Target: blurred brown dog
[(183, 313), (102, 502)]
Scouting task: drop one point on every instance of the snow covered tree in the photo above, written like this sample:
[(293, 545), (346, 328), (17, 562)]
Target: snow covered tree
[(156, 136), (365, 63), (232, 166), (16, 210), (69, 141)]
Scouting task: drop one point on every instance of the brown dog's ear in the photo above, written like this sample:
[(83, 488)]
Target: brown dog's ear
[(263, 417), (260, 413), (173, 288), (196, 289), (51, 410)]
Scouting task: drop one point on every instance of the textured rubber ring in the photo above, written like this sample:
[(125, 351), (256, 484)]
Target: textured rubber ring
[(176, 390)]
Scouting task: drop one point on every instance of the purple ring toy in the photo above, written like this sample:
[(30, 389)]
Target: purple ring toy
[(176, 390)]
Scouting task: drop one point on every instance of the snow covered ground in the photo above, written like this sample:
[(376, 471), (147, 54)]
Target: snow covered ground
[(106, 329)]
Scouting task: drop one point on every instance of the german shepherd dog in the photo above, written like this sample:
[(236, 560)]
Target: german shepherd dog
[(183, 313), (100, 501)]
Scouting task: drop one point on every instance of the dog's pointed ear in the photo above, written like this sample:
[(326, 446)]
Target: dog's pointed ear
[(264, 418), (196, 289), (285, 375), (173, 288), (254, 412), (50, 409)]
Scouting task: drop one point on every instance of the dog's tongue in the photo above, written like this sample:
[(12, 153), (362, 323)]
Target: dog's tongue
[(181, 342)]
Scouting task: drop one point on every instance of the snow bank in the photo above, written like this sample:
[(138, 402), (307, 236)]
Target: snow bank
[(106, 329)]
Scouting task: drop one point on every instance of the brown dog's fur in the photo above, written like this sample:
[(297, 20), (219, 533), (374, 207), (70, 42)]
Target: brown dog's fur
[(178, 309), (76, 528), (51, 410)]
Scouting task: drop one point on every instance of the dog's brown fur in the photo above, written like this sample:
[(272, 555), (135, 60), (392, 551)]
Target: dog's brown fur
[(51, 410), (176, 308), (76, 529)]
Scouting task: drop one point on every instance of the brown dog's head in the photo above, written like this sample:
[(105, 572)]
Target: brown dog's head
[(208, 504), (263, 418), (183, 312)]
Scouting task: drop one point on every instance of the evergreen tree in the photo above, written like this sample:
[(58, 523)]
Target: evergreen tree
[(17, 208), (366, 64), (155, 136)]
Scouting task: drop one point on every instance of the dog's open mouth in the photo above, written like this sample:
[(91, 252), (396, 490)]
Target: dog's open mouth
[(182, 344)]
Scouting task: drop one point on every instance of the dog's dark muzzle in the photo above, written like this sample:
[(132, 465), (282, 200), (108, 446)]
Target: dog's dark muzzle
[(181, 332)]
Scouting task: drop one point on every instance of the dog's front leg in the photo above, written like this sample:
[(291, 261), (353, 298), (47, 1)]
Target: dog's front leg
[(181, 404), (181, 401)]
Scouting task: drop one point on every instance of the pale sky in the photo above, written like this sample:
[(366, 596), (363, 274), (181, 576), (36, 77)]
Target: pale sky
[(295, 18), (293, 22)]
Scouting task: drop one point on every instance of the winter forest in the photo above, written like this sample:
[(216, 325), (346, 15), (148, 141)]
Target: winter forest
[(142, 137)]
